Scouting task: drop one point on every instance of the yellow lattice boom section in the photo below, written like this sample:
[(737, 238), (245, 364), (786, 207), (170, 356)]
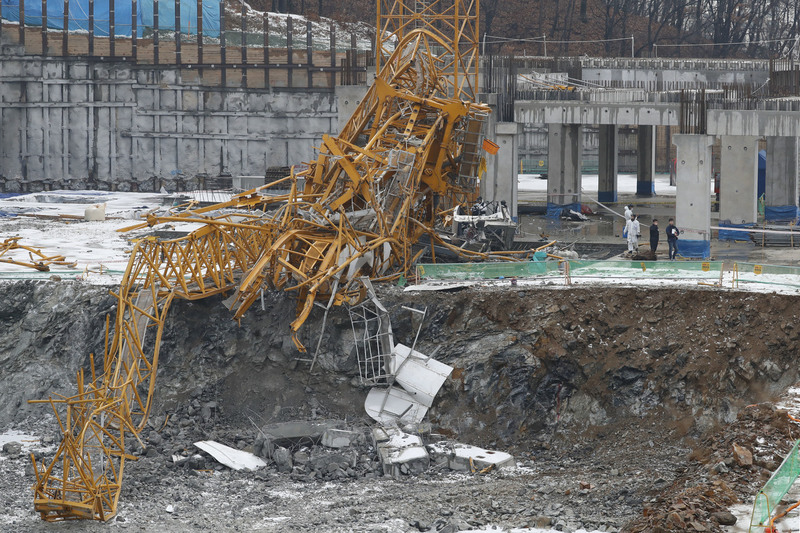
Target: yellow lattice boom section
[(405, 159)]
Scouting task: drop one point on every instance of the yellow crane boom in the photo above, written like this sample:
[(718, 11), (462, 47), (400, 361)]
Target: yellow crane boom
[(408, 155)]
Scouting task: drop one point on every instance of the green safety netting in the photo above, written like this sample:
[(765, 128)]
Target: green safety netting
[(464, 271), (36, 275), (645, 269), (769, 274), (626, 269), (775, 489)]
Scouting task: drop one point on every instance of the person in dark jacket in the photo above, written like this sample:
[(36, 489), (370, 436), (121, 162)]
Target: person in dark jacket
[(672, 238), (654, 235)]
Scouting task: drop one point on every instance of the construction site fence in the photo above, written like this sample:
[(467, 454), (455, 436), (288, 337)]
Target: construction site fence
[(774, 490), (251, 51), (723, 273)]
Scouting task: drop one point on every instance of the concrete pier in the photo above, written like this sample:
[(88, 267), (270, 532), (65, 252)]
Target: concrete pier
[(564, 154), (504, 186), (693, 194), (781, 186), (608, 163), (738, 179), (646, 158)]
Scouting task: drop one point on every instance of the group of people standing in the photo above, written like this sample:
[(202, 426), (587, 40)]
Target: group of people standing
[(633, 232)]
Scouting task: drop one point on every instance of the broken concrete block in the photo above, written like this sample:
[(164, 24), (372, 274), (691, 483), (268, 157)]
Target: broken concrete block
[(401, 453), (339, 438), (291, 434), (322, 458), (742, 455), (230, 457), (283, 459), (468, 458)]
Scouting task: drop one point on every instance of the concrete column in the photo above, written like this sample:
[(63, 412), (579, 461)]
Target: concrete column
[(507, 136), (489, 179), (608, 157), (564, 153), (348, 97), (738, 179), (646, 161), (781, 186), (693, 194)]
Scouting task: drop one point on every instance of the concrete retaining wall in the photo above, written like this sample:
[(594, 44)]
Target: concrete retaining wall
[(74, 124)]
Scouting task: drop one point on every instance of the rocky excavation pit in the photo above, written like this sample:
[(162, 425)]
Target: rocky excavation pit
[(621, 406)]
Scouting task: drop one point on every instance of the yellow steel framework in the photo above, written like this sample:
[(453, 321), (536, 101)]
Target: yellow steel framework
[(36, 259), (404, 160), (452, 21)]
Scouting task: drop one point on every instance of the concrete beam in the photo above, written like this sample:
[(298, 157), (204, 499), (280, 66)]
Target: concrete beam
[(759, 123), (589, 113), (738, 179), (693, 194)]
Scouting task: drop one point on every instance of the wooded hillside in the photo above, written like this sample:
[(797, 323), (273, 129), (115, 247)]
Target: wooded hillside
[(678, 28)]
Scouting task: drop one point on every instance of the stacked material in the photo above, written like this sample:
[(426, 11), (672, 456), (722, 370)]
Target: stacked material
[(777, 235)]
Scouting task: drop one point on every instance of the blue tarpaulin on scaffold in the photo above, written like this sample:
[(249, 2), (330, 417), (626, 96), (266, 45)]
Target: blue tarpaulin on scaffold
[(123, 21), (733, 235), (554, 210), (694, 248), (781, 212)]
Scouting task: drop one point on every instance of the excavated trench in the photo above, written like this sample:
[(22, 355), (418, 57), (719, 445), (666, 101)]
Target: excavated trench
[(611, 386)]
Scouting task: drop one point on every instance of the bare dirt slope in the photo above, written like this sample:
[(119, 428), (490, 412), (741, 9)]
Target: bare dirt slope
[(614, 401)]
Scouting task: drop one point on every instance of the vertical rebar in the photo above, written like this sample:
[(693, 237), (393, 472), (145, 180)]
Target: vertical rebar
[(134, 31), (112, 29), (177, 32), (244, 47), (223, 44), (156, 27), (289, 51), (44, 27)]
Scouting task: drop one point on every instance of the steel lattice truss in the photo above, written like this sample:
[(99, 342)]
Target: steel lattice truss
[(404, 160), (452, 21)]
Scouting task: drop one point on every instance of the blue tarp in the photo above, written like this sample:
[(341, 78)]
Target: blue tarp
[(607, 196), (731, 235), (554, 210), (645, 188), (696, 248), (762, 173), (781, 212), (79, 16)]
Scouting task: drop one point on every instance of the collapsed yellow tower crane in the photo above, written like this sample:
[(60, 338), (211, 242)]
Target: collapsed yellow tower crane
[(408, 155)]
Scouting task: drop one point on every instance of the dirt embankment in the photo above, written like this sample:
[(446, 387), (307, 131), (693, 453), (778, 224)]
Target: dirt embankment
[(612, 387)]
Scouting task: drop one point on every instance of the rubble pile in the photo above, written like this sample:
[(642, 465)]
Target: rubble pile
[(727, 467), (623, 409)]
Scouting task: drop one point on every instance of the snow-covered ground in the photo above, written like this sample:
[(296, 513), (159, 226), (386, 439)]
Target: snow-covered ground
[(626, 184)]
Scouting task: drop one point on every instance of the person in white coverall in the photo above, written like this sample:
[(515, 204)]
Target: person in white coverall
[(628, 213), (632, 229)]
